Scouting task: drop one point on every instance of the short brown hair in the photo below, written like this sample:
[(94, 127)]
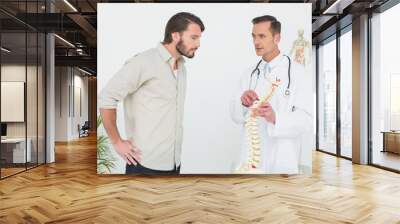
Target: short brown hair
[(275, 24), (178, 23)]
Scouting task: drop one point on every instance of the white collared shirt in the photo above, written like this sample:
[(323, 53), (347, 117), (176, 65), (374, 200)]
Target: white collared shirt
[(172, 62), (153, 99)]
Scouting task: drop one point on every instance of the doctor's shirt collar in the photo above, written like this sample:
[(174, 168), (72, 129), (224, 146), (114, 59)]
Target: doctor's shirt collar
[(268, 66)]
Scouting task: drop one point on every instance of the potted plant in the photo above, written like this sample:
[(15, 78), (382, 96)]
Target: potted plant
[(105, 159)]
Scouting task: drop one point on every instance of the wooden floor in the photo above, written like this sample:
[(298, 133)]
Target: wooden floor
[(5, 172), (70, 191)]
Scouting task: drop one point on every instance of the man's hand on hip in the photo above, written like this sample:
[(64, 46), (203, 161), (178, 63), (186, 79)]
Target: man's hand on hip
[(248, 98), (128, 151)]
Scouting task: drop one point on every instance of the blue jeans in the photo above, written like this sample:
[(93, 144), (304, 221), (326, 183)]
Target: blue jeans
[(139, 169)]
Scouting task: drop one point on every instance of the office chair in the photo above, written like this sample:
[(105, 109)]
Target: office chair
[(84, 130)]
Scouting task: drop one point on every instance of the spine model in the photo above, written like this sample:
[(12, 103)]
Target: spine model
[(252, 132)]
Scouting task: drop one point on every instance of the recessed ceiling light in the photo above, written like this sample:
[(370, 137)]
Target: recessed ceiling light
[(64, 40), (334, 7), (5, 50), (84, 71), (70, 5)]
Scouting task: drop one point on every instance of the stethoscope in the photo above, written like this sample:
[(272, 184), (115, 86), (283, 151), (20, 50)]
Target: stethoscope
[(257, 71)]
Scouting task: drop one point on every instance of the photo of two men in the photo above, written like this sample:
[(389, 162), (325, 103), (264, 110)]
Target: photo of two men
[(208, 99)]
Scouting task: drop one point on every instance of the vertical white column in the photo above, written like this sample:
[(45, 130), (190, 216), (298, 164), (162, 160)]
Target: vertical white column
[(360, 90), (50, 93)]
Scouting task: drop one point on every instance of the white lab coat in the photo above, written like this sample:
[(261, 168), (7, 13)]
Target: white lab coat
[(281, 144)]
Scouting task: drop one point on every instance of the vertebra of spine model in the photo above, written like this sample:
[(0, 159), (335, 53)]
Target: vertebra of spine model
[(252, 133)]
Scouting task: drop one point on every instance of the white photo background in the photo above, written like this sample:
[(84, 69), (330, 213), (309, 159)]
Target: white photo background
[(211, 140)]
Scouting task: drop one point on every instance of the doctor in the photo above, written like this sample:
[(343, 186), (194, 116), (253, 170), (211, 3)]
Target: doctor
[(282, 120)]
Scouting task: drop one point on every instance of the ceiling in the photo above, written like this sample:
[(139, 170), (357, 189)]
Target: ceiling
[(76, 22)]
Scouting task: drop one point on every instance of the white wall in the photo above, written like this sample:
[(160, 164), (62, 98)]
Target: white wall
[(67, 80), (33, 126), (314, 72), (12, 73), (81, 83), (61, 103)]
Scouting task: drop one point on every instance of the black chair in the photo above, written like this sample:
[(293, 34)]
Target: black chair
[(84, 130)]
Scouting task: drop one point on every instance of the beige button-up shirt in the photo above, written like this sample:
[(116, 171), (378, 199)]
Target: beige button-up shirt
[(153, 99)]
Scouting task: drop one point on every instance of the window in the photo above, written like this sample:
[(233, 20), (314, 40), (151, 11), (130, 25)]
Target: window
[(327, 97), (22, 65), (394, 101), (385, 89), (346, 94)]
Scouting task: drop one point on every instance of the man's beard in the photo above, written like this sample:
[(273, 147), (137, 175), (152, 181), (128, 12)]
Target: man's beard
[(181, 48)]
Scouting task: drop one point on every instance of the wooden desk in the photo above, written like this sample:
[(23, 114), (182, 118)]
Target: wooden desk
[(391, 141)]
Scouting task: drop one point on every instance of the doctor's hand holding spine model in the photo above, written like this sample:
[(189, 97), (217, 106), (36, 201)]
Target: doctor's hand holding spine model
[(273, 104)]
